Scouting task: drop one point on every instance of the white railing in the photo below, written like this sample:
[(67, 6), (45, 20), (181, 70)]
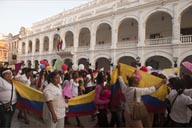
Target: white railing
[(69, 49), (125, 44), (158, 41), (186, 39), (102, 46), (82, 48)]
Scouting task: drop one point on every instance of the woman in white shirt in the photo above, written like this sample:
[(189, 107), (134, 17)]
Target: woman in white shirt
[(129, 97), (54, 108), (180, 113), (7, 94)]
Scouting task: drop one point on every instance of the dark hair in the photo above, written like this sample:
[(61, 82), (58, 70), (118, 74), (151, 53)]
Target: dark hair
[(4, 69), (26, 70), (67, 76), (51, 76), (161, 76), (154, 73), (100, 78), (187, 79), (131, 80)]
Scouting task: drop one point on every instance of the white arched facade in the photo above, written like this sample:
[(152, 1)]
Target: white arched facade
[(175, 46)]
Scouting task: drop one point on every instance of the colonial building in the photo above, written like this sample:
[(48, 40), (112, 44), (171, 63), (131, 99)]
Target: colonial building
[(13, 48), (104, 32), (3, 49)]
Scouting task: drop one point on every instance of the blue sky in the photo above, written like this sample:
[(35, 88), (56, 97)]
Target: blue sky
[(17, 13)]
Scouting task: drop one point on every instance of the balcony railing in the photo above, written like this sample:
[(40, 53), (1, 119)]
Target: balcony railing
[(186, 39), (125, 44), (102, 46), (83, 48), (158, 41)]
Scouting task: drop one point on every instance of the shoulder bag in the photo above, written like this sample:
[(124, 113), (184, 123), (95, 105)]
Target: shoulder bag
[(138, 110)]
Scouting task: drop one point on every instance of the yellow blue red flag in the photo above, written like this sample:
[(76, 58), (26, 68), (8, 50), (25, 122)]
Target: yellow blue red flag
[(32, 100), (155, 101)]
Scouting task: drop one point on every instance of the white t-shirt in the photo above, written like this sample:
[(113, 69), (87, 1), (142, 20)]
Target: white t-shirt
[(24, 80), (129, 93), (74, 87), (180, 113), (5, 92), (54, 94)]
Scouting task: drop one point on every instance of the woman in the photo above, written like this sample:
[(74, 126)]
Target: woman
[(26, 79), (102, 104), (180, 113), (54, 108), (7, 94), (42, 80), (133, 83)]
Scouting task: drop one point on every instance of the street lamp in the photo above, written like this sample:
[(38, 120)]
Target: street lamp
[(89, 64), (175, 61), (110, 61), (138, 64)]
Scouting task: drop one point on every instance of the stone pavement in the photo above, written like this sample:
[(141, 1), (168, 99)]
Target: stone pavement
[(37, 122)]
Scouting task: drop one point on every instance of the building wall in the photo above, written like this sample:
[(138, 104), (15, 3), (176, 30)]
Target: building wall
[(146, 14)]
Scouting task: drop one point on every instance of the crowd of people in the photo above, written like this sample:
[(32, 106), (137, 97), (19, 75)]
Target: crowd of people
[(109, 99)]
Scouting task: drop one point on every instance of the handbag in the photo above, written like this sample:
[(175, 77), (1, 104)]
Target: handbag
[(138, 110), (7, 107)]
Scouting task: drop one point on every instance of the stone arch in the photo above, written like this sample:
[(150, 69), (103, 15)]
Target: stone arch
[(37, 45), (150, 12), (158, 25), (127, 60), (56, 40), (184, 7), (126, 17), (69, 39), (185, 23), (158, 62), (45, 43), (104, 34), (30, 46), (23, 47), (128, 30), (84, 37)]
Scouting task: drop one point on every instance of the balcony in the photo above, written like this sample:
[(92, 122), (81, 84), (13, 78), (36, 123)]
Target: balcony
[(159, 41), (127, 44), (105, 46), (186, 39), (83, 48)]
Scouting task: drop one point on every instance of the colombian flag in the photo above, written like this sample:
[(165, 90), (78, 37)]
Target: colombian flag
[(32, 100), (153, 102)]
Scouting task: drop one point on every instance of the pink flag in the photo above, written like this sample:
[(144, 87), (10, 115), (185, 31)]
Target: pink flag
[(137, 74), (67, 90), (18, 67), (187, 65)]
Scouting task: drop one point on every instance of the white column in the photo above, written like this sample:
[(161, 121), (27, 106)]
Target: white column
[(50, 43), (27, 47), (114, 35), (176, 26), (93, 38), (41, 39), (63, 45), (76, 40), (33, 46), (141, 32)]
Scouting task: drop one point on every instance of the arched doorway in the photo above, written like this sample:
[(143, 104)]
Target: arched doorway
[(158, 62), (103, 63), (85, 62), (127, 60), (69, 63)]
